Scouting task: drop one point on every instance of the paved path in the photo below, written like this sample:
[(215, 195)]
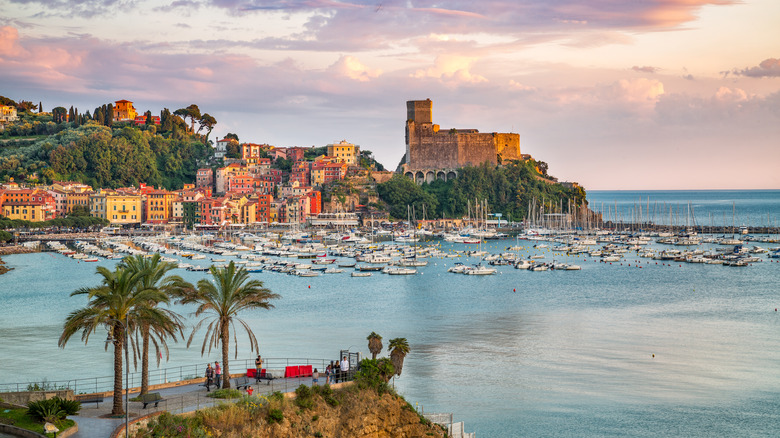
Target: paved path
[(94, 422)]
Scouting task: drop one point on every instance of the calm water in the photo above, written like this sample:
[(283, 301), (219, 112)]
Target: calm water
[(515, 354), (707, 207)]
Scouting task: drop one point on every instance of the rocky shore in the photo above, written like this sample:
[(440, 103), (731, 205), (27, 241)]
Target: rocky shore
[(17, 249)]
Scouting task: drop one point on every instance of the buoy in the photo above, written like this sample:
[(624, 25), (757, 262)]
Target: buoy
[(309, 286), (515, 290), (653, 354)]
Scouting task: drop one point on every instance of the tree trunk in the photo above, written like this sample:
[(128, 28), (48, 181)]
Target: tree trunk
[(225, 354), (117, 408), (145, 360)]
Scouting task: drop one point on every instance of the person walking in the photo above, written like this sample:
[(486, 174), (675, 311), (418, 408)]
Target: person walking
[(336, 372), (327, 374), (315, 377), (218, 374), (209, 377)]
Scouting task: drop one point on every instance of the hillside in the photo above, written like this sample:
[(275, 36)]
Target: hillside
[(38, 149), (508, 189), (321, 412)]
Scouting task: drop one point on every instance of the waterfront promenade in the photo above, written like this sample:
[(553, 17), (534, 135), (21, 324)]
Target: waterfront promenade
[(94, 421)]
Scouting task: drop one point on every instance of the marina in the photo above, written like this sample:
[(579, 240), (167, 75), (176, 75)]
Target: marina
[(664, 334)]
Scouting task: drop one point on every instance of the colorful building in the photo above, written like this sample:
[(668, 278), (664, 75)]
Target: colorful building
[(159, 206), (8, 113), (124, 110), (344, 152)]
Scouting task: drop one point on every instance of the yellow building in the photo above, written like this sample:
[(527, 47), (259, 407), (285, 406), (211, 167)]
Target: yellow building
[(344, 152), (123, 209), (124, 110), (7, 113), (159, 206), (77, 198), (28, 211)]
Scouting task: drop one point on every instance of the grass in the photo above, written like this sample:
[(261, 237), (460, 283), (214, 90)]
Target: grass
[(18, 418), (225, 393)]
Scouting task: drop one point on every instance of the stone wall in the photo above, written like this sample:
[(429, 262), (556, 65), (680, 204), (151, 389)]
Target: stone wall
[(475, 149), (429, 149), (508, 146), (21, 398)]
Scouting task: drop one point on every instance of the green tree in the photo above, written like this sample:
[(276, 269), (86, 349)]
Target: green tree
[(374, 344), (118, 305), (160, 325), (399, 348), (222, 299), (192, 111), (208, 122)]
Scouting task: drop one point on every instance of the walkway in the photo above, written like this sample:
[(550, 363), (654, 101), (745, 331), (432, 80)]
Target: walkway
[(94, 422)]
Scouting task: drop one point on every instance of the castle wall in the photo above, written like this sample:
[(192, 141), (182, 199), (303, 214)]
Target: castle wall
[(475, 149), (431, 149), (508, 146), (430, 152)]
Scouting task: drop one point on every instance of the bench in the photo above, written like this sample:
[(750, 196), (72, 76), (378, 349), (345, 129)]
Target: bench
[(152, 397), (242, 382), (96, 399), (265, 375)]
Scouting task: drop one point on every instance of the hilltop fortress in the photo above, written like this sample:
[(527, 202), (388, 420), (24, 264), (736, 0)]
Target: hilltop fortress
[(435, 154)]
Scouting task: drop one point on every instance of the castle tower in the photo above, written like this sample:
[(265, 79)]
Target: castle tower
[(419, 111)]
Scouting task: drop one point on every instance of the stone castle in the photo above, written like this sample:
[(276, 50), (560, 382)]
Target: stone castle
[(435, 154)]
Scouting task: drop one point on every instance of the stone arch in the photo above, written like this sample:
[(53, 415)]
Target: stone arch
[(430, 176), (451, 175), (441, 175), (419, 177), (409, 175)]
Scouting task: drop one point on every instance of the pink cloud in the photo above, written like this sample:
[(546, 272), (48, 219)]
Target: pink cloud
[(768, 68), (645, 69)]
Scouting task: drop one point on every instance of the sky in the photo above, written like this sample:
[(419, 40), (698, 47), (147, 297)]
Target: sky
[(616, 95)]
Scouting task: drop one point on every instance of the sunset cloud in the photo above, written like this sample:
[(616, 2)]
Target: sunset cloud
[(645, 69), (768, 68), (350, 67)]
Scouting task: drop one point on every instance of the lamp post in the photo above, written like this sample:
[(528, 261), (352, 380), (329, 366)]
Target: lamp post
[(127, 373)]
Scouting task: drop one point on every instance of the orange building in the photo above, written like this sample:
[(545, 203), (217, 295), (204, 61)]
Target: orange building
[(124, 110), (159, 206)]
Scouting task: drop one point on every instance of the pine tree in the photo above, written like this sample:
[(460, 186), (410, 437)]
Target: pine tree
[(40, 107), (109, 114)]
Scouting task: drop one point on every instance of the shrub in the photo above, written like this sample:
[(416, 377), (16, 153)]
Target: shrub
[(326, 393), (374, 374), (225, 393), (303, 397), (71, 407), (46, 410), (168, 425), (275, 416)]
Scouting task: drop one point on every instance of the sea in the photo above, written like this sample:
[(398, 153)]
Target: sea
[(639, 348)]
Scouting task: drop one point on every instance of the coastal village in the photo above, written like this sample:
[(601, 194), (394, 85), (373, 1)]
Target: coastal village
[(248, 187)]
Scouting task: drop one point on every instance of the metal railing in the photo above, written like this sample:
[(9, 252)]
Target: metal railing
[(160, 376)]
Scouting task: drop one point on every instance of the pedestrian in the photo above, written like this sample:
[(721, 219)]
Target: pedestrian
[(344, 369), (209, 377), (315, 377), (218, 374), (258, 367), (328, 370), (336, 372)]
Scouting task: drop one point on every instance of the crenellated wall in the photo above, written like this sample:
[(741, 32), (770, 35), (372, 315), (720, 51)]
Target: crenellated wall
[(429, 149)]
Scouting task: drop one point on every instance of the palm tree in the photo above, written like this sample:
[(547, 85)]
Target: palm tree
[(374, 344), (399, 348), (117, 304), (159, 325), (230, 292)]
